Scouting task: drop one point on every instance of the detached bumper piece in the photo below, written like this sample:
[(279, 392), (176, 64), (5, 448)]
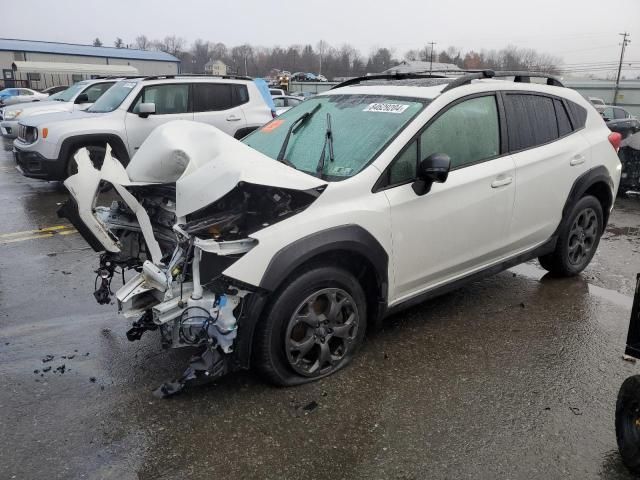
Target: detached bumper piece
[(203, 368)]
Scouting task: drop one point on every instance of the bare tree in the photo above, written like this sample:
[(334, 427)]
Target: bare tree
[(172, 44), (97, 42), (118, 43), (142, 42), (321, 48), (200, 52)]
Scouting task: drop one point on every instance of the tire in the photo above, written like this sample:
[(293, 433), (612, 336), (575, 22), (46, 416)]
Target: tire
[(294, 346), (578, 240), (96, 154), (628, 423)]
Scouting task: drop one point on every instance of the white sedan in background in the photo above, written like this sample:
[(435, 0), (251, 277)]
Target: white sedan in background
[(285, 102), (11, 96)]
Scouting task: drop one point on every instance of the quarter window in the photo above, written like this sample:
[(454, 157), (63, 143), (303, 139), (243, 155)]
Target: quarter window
[(564, 124), (531, 120), (169, 99), (468, 132)]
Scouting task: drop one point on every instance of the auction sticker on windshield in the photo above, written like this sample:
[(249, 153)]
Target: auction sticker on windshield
[(386, 107)]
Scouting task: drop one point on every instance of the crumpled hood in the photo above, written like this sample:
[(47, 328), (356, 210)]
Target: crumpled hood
[(206, 164)]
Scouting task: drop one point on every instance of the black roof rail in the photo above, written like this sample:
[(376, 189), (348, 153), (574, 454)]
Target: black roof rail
[(386, 76), (518, 76), (200, 75)]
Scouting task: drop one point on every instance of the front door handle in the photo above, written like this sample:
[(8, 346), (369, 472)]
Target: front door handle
[(233, 118), (577, 160), (501, 182)]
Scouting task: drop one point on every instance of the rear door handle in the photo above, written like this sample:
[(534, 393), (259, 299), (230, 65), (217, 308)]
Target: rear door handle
[(233, 118), (577, 160), (501, 182)]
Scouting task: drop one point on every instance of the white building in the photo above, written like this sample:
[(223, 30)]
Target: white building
[(215, 67), (38, 64)]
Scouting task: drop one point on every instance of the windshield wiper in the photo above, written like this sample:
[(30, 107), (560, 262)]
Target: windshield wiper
[(328, 141), (295, 126)]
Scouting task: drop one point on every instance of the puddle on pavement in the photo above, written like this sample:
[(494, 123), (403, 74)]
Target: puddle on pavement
[(531, 271)]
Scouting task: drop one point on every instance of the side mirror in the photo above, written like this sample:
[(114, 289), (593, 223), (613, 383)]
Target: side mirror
[(146, 109), (82, 98), (433, 169)]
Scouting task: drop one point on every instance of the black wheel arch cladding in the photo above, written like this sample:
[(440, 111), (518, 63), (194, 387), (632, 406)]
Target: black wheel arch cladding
[(118, 147), (346, 238), (595, 181)]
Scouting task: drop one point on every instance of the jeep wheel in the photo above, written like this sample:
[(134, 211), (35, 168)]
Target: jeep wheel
[(313, 328), (578, 240), (628, 423), (96, 154)]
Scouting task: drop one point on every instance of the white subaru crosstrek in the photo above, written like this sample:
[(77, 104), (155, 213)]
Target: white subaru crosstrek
[(125, 116), (281, 250)]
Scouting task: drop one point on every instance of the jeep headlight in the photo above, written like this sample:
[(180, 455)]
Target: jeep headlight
[(30, 135), (11, 114)]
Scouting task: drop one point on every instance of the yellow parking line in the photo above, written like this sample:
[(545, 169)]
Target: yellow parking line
[(33, 234)]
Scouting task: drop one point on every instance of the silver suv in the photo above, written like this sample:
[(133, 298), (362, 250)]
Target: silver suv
[(79, 96), (126, 115)]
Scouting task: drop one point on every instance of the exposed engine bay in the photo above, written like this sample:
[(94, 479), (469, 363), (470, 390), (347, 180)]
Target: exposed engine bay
[(175, 254)]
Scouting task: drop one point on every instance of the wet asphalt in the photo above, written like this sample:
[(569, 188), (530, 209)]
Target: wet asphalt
[(513, 377)]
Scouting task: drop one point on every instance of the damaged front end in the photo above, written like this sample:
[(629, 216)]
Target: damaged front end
[(178, 236)]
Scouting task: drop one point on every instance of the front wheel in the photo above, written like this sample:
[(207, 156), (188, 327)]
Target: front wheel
[(628, 423), (314, 327), (578, 239), (96, 154)]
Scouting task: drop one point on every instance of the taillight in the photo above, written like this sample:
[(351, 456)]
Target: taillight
[(273, 114), (614, 139)]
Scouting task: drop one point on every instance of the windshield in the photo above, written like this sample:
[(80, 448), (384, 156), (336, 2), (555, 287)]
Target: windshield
[(361, 125), (113, 97), (68, 94)]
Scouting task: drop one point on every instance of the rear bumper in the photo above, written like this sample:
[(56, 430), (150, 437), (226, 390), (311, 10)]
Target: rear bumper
[(34, 165)]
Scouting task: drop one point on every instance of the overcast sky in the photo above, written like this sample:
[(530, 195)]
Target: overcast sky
[(575, 30)]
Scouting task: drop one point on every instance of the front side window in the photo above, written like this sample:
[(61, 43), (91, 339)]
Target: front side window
[(531, 120), (168, 99), (292, 102), (468, 132), (361, 126), (112, 98)]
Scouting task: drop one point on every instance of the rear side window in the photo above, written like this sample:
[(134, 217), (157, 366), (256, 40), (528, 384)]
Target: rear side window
[(564, 124), (208, 97), (531, 121), (579, 115)]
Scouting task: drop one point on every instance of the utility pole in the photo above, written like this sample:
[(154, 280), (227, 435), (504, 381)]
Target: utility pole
[(431, 57), (625, 42)]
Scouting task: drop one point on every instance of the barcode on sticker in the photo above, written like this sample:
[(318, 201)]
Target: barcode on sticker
[(386, 107)]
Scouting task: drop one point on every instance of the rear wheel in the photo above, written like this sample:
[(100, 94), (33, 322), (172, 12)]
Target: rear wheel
[(578, 239), (628, 423), (314, 327)]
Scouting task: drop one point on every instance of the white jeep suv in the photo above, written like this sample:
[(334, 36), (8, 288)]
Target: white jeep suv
[(79, 96), (281, 250), (127, 114)]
